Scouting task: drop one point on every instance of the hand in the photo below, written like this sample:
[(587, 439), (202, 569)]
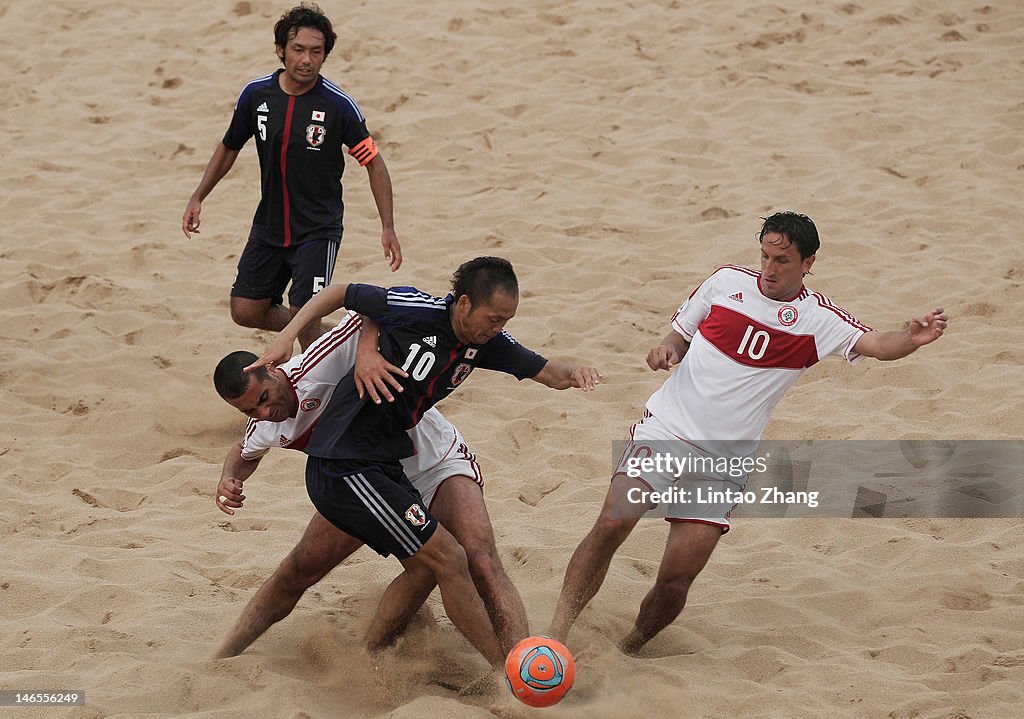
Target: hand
[(662, 357), (373, 374), (229, 494), (927, 329), (392, 250), (279, 352), (585, 378), (190, 220)]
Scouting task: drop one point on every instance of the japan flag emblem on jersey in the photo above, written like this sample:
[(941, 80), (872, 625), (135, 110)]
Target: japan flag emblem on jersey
[(788, 315), (315, 135), (461, 372)]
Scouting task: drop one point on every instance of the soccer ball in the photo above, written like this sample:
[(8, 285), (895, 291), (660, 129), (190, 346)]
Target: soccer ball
[(539, 671)]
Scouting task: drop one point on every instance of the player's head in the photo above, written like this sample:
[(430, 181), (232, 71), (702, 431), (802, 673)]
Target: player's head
[(798, 229), (485, 295), (304, 37), (788, 245), (259, 394)]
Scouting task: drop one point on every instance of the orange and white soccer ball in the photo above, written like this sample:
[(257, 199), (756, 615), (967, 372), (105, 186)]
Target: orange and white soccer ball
[(539, 671)]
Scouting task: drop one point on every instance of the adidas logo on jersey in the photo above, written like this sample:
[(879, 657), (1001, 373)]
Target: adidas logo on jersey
[(430, 341), (263, 108), (738, 297)]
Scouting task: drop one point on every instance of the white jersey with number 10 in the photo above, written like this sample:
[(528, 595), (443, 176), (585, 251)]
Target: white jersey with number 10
[(745, 351)]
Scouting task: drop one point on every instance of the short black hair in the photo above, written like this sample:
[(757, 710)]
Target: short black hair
[(229, 378), (481, 277), (304, 15), (798, 228)]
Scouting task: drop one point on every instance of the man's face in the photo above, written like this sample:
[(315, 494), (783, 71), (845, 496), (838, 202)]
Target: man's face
[(303, 56), (270, 399), (476, 324), (782, 269)]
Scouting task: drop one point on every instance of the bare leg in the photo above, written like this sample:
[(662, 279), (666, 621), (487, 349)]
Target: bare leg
[(262, 315), (446, 559), (459, 506), (589, 563), (311, 332), (259, 314), (322, 547), (687, 551), (399, 603)]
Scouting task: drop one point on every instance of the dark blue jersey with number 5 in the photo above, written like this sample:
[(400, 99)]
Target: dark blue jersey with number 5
[(415, 334), (300, 141)]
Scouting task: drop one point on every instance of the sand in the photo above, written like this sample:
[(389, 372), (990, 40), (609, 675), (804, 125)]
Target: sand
[(616, 153)]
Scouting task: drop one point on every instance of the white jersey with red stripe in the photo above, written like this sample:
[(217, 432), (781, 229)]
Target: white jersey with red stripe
[(745, 351), (313, 376)]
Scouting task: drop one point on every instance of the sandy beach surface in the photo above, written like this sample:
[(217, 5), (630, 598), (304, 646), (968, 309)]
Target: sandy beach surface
[(616, 153)]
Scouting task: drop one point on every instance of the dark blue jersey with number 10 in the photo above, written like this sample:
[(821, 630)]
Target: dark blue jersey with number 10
[(416, 334)]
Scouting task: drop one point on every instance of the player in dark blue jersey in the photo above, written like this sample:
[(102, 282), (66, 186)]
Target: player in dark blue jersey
[(353, 474), (301, 123)]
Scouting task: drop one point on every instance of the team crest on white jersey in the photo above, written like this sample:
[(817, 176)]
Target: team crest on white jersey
[(315, 135), (461, 372), (788, 315), (308, 405), (415, 516)]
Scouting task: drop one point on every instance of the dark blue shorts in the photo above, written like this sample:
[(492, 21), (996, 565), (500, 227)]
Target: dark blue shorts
[(375, 503), (265, 270)]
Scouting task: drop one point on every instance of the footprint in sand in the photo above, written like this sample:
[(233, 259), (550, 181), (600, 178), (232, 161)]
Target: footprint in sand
[(120, 500)]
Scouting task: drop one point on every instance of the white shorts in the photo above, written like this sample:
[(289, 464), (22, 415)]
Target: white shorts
[(441, 453), (697, 495)]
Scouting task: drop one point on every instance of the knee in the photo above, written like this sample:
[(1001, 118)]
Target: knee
[(292, 578), (242, 316), (485, 566), (443, 556), (611, 531), (421, 576)]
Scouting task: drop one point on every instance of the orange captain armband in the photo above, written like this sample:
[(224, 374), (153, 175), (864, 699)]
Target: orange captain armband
[(364, 151)]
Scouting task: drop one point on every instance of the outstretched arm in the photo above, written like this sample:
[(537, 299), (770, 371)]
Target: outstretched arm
[(558, 375), (380, 186), (669, 353), (221, 161), (918, 332), (323, 303), (236, 471)]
